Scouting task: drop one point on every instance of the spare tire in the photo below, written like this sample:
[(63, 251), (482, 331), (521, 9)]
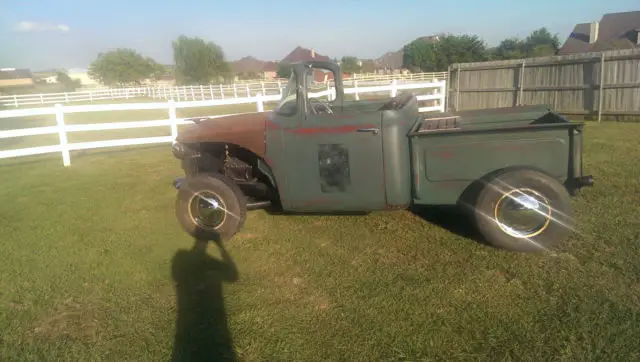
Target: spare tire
[(210, 207), (523, 210)]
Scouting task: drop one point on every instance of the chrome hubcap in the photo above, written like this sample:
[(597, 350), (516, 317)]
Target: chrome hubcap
[(523, 213), (207, 210)]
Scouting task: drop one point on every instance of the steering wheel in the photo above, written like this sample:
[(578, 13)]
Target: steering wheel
[(319, 107)]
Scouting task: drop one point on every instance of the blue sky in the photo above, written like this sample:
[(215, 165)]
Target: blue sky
[(41, 34)]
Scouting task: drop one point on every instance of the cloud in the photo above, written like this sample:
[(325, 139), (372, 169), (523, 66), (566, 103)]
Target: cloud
[(34, 26)]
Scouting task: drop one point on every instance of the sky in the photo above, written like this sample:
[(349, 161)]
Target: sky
[(45, 34)]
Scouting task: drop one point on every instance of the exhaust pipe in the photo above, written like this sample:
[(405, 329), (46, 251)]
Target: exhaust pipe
[(585, 181), (177, 182)]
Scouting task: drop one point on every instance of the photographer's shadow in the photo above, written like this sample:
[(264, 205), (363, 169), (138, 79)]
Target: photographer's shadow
[(202, 331)]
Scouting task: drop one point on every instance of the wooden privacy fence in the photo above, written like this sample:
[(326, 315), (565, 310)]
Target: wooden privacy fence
[(587, 84), (433, 92)]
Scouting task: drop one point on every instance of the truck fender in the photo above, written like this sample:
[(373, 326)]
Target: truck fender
[(470, 193), (266, 170)]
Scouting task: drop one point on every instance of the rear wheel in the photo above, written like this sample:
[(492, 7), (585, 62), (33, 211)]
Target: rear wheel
[(210, 207), (523, 210)]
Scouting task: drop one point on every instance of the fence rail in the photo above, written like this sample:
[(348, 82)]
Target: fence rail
[(200, 92), (436, 93)]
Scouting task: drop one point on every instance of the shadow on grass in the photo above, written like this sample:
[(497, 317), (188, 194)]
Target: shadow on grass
[(450, 218), (202, 331)]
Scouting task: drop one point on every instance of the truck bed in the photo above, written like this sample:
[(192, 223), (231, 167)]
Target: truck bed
[(451, 150)]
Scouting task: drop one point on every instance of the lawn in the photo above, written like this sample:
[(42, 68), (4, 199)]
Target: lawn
[(89, 251)]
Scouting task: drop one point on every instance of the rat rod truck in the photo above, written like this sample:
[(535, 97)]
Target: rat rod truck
[(512, 169)]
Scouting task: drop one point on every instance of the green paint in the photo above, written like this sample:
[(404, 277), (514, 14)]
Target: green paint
[(374, 155)]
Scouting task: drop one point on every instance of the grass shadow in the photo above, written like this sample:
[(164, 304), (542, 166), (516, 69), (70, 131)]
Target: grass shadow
[(202, 331), (450, 218)]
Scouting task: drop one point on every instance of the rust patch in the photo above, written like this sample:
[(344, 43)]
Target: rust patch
[(444, 154), (245, 130), (330, 130)]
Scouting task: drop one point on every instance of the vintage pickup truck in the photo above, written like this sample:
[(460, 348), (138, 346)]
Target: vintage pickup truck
[(512, 169)]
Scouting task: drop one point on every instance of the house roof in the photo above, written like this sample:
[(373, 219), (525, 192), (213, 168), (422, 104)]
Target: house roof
[(300, 54), (248, 64), (615, 31), (270, 67), (12, 73)]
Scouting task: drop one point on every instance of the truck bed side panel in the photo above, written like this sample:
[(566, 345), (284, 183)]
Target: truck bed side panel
[(446, 163)]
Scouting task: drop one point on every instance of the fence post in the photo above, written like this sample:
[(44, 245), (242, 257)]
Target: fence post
[(601, 93), (201, 92), (458, 88), (235, 91), (173, 120), (221, 92), (248, 91), (394, 88), (263, 90), (211, 90), (41, 99), (520, 85), (443, 95), (259, 102), (62, 134), (355, 87)]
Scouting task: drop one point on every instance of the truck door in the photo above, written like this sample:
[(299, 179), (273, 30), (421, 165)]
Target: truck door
[(336, 161)]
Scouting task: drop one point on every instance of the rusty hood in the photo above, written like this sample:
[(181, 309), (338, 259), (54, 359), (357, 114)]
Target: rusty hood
[(245, 130)]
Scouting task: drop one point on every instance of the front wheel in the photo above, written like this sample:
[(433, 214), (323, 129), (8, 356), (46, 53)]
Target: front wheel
[(524, 211), (210, 207)]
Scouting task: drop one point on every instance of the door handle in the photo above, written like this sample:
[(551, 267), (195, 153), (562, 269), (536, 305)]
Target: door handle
[(372, 130)]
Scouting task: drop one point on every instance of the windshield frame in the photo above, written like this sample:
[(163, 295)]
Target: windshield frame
[(289, 93)]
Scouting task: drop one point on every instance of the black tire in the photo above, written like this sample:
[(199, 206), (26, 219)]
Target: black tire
[(190, 207), (551, 224)]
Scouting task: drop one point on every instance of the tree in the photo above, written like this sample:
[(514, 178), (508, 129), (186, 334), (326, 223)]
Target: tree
[(350, 64), (541, 43), (283, 70), (69, 84), (198, 62), (510, 48), (123, 67), (420, 55)]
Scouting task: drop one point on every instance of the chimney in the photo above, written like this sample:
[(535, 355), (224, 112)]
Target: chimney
[(593, 32), (313, 53)]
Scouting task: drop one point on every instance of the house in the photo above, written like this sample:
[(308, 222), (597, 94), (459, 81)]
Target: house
[(82, 75), (300, 54), (12, 77), (47, 76), (250, 67), (270, 70), (614, 31)]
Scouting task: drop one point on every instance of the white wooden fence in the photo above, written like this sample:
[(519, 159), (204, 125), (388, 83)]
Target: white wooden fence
[(200, 92), (433, 91)]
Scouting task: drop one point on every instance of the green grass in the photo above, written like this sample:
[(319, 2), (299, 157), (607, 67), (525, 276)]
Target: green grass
[(88, 250)]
